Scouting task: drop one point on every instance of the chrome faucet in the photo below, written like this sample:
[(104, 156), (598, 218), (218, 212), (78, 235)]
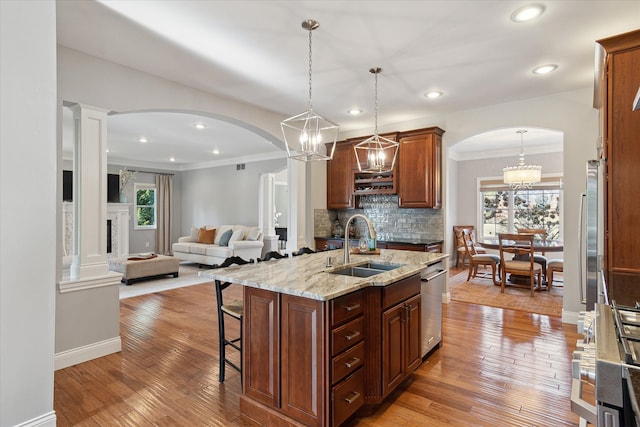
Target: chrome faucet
[(372, 234)]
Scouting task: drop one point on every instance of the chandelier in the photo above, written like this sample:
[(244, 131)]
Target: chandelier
[(522, 176), (376, 154), (305, 133)]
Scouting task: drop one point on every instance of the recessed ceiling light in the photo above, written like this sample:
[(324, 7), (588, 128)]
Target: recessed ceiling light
[(216, 151), (172, 159), (527, 13), (354, 111), (107, 150), (200, 126), (143, 139), (544, 69), (433, 94)]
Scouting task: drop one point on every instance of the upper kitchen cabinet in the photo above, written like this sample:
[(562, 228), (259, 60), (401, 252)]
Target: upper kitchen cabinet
[(419, 169), (340, 177), (621, 127)]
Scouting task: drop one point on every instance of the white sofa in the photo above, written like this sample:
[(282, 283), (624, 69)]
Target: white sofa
[(245, 242)]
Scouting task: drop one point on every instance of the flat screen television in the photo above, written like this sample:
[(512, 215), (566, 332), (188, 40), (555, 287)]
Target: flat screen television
[(113, 187), (67, 186)]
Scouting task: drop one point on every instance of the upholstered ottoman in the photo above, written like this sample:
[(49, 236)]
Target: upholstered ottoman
[(134, 268)]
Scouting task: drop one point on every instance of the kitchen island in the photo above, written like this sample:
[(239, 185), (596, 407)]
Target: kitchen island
[(320, 346)]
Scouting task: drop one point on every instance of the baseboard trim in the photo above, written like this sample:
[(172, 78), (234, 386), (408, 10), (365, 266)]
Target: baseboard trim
[(86, 352), (45, 420)]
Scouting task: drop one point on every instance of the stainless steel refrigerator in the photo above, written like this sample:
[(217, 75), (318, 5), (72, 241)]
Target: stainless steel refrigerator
[(592, 283)]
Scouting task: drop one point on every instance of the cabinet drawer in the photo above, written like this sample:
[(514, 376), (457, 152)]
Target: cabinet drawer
[(347, 362), (347, 307), (347, 335), (400, 291), (348, 397)]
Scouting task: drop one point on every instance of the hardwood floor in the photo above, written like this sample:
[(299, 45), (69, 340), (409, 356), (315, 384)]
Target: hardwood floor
[(495, 367)]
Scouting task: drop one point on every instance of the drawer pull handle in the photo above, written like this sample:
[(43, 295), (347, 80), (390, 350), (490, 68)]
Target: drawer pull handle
[(352, 398), (352, 335), (351, 363), (351, 307)]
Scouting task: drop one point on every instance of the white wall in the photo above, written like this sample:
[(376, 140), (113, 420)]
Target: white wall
[(223, 195), (28, 199), (86, 79)]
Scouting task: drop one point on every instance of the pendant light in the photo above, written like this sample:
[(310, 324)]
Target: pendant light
[(307, 132), (522, 176), (376, 154)]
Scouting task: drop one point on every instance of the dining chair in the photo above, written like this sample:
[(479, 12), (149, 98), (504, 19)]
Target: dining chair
[(233, 310), (520, 246), (477, 259), (458, 239), (272, 255), (540, 258), (552, 266)]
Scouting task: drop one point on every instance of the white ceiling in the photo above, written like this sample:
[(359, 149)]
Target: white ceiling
[(257, 52)]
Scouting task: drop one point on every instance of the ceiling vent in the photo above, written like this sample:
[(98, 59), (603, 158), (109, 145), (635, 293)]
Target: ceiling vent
[(240, 167)]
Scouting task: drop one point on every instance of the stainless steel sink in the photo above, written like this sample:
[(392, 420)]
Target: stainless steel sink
[(366, 270), (381, 265)]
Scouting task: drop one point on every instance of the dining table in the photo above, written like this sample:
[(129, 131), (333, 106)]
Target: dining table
[(539, 245)]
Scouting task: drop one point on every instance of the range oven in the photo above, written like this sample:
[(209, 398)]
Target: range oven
[(610, 360)]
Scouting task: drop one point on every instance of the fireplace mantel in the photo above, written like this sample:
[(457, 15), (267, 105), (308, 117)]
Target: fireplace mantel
[(118, 213)]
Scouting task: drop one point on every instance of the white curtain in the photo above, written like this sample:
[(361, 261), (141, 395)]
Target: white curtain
[(164, 207)]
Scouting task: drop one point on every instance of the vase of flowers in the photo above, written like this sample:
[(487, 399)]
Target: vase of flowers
[(125, 177)]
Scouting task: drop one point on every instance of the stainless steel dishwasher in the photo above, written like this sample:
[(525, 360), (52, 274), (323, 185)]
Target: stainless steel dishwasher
[(431, 291)]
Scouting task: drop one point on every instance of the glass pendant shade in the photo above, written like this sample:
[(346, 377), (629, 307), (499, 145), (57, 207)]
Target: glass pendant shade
[(376, 154), (522, 176), (308, 135)]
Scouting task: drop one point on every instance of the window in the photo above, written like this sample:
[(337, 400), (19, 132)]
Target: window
[(503, 210), (145, 206)]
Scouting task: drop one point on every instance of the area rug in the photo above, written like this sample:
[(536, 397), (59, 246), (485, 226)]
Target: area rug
[(483, 292), (187, 276)]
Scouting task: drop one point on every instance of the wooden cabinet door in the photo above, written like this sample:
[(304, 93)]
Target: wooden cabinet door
[(261, 346), (305, 374), (419, 170), (622, 127), (340, 177), (413, 334), (401, 337), (392, 345)]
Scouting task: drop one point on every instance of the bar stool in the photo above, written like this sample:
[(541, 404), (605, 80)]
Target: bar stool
[(232, 309), (303, 251)]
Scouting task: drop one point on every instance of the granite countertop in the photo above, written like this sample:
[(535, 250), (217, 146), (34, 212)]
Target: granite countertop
[(308, 275), (407, 241)]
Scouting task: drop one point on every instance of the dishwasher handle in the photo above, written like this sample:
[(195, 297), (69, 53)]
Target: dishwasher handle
[(433, 275)]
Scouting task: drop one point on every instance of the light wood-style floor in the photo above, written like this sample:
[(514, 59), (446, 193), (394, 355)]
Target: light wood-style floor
[(496, 367)]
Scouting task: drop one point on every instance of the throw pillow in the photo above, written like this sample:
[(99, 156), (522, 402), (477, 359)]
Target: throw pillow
[(193, 236), (206, 236), (237, 235), (224, 239), (253, 234)]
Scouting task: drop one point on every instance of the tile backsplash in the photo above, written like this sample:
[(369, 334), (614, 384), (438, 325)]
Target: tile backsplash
[(390, 222)]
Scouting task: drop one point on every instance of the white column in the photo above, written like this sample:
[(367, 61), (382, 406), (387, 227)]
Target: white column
[(267, 203), (87, 303), (90, 193)]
